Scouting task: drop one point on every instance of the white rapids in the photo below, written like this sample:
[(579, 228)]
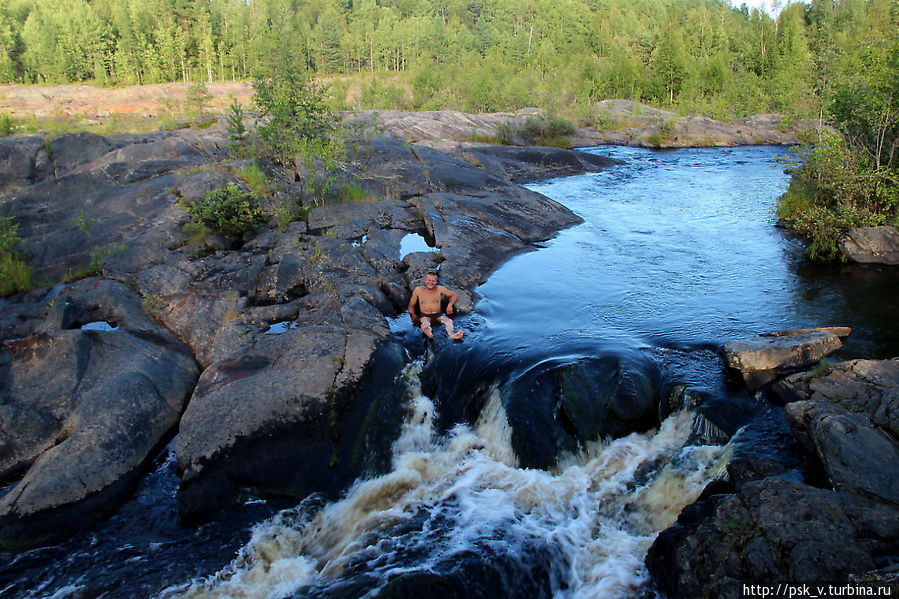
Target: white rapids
[(601, 508)]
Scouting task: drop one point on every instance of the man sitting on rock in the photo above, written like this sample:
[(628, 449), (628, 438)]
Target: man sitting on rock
[(428, 299)]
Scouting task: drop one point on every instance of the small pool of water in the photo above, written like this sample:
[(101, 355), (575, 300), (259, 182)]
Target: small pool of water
[(99, 325), (281, 327), (414, 242)]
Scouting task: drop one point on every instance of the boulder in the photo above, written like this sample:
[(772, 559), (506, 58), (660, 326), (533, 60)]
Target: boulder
[(772, 531), (85, 410), (856, 456), (762, 359), (554, 408), (270, 417), (848, 417), (871, 245), (869, 387)]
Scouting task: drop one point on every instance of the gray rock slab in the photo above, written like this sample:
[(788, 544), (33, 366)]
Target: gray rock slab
[(287, 391), (856, 456), (869, 387), (762, 359)]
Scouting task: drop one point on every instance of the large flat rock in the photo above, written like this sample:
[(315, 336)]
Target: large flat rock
[(760, 360)]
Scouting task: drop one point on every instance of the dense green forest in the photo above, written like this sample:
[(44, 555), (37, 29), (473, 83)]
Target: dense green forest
[(698, 56)]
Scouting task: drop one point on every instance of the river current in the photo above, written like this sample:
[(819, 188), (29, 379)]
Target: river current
[(678, 253)]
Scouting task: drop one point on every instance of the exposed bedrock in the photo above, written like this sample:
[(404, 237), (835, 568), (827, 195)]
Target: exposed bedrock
[(83, 410), (831, 518), (760, 360), (284, 327)]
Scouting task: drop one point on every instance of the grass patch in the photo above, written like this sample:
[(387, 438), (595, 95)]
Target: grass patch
[(552, 131), (15, 272), (255, 178), (354, 192)]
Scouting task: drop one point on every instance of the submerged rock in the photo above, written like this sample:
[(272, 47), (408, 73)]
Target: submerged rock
[(762, 359), (555, 408), (871, 245)]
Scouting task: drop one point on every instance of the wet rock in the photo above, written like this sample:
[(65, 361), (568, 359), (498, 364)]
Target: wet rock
[(556, 408), (772, 530), (85, 410), (762, 359), (871, 245)]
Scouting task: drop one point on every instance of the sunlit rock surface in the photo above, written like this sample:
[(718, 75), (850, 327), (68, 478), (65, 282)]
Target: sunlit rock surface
[(871, 245), (762, 359)]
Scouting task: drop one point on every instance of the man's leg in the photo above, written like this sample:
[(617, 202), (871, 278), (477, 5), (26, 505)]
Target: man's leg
[(448, 323), (426, 327)]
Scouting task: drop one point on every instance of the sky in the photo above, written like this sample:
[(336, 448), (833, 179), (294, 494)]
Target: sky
[(768, 5)]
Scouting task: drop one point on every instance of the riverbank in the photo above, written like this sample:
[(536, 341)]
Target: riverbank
[(70, 108)]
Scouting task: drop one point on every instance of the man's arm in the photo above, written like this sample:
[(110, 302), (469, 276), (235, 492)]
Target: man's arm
[(412, 302), (452, 299)]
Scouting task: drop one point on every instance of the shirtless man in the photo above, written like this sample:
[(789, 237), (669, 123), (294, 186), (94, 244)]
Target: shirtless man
[(428, 298)]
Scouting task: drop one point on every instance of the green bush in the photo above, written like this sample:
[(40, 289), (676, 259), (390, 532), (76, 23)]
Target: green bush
[(834, 190), (15, 273), (551, 131), (7, 125), (230, 210)]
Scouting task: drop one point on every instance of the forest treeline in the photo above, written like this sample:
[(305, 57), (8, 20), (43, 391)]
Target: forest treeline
[(699, 56)]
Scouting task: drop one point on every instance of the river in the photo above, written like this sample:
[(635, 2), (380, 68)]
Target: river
[(678, 253)]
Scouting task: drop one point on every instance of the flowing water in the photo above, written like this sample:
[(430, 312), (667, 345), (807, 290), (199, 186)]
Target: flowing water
[(678, 253)]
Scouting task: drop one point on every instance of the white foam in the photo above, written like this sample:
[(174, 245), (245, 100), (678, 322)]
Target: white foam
[(592, 508)]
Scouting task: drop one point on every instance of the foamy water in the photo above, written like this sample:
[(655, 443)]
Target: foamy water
[(599, 510)]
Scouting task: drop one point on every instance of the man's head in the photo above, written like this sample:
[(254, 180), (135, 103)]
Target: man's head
[(431, 280)]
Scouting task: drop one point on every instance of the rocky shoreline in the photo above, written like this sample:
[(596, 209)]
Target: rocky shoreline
[(832, 519), (280, 337), (269, 361)]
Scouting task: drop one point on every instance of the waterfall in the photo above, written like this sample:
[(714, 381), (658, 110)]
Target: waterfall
[(598, 509)]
